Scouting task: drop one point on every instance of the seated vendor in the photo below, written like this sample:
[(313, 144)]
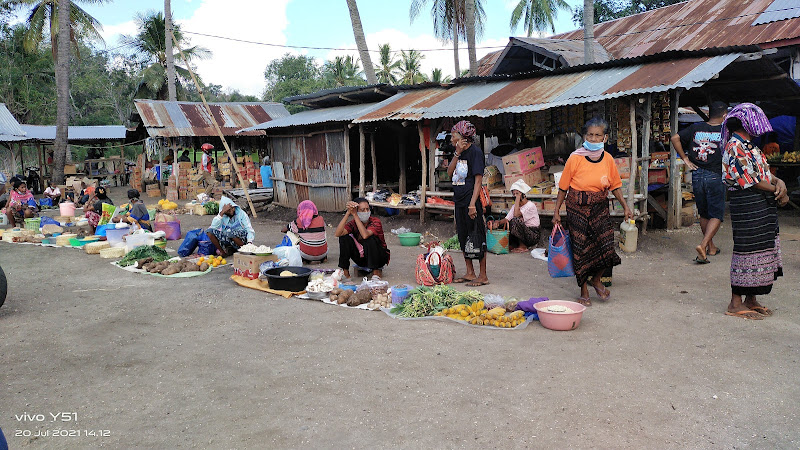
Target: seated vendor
[(53, 193), (310, 228), (93, 209), (522, 220), (85, 194), (230, 229), (21, 204), (361, 239), (137, 214)]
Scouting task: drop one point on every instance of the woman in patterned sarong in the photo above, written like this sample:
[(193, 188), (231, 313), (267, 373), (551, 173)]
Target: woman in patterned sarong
[(754, 195), (588, 176)]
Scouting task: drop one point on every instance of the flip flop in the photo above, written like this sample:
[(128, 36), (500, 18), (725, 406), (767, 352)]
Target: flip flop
[(462, 280), (763, 310), (746, 314), (701, 261), (475, 283), (715, 253), (585, 301), (606, 291)]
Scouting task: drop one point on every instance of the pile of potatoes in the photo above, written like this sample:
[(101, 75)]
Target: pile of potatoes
[(170, 267), (350, 298)]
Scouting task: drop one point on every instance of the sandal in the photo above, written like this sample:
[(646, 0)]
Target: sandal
[(699, 260), (604, 291), (462, 280), (585, 301), (476, 283), (746, 314), (763, 310)]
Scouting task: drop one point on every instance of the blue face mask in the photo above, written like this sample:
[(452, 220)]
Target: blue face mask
[(592, 147)]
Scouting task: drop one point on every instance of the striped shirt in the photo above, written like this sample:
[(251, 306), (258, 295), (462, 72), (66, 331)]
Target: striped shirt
[(313, 243)]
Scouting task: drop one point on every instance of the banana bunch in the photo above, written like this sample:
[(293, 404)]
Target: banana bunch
[(791, 157)]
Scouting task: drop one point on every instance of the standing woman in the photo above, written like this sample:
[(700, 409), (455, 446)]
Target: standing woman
[(466, 171), (754, 194), (588, 176)]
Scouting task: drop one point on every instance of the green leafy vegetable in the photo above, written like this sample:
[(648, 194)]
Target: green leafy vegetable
[(211, 207), (144, 251), (452, 243), (425, 301)]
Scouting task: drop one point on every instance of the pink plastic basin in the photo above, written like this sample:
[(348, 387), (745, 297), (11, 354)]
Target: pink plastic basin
[(560, 321)]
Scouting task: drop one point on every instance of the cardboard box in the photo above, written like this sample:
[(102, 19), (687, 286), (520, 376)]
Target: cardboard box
[(491, 177), (550, 205), (531, 178), (545, 187), (657, 176), (523, 161), (184, 165), (70, 169), (623, 167), (172, 195), (248, 266), (183, 193)]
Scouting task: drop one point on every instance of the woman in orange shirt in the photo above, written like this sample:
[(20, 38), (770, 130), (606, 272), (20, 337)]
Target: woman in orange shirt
[(588, 176)]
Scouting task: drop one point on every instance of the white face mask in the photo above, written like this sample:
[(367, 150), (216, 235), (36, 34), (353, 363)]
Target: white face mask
[(363, 216)]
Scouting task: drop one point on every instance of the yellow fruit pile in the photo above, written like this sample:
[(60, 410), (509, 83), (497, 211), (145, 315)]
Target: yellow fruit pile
[(213, 261), (476, 314), (791, 157), (167, 205)]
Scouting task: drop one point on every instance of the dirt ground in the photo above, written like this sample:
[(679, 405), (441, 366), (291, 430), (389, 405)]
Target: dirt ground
[(138, 361)]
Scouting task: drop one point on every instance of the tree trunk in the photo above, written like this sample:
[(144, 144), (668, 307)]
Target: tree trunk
[(455, 46), (470, 23), (588, 31), (173, 96), (361, 43), (60, 147)]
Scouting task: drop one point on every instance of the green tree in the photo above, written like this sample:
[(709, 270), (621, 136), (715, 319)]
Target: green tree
[(449, 21), (411, 67), (292, 75), (438, 77), (27, 79), (388, 65), (150, 50), (361, 42), (343, 71), (42, 23), (537, 15)]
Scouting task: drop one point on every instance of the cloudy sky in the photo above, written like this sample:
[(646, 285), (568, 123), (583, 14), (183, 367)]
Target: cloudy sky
[(309, 23)]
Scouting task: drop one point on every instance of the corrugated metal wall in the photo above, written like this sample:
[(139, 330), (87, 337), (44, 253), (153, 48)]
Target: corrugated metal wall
[(311, 161)]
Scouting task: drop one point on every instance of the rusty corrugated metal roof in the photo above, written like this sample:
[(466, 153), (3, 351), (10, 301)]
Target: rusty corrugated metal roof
[(547, 90), (692, 25), (174, 119)]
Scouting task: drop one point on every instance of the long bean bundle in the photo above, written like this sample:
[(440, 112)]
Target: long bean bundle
[(425, 301)]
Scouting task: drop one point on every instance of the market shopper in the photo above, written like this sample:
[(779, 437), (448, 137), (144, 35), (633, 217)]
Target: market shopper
[(700, 147), (93, 209), (361, 239), (53, 193), (754, 195), (21, 204), (230, 229), (522, 220), (310, 229), (466, 172), (207, 169), (589, 174)]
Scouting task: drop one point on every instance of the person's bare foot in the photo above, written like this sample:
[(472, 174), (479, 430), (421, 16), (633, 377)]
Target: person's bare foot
[(478, 282), (701, 252), (346, 273), (377, 273), (520, 249), (750, 302)]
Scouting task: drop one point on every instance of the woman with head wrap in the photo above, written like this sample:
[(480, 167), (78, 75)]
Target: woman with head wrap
[(21, 204), (754, 194), (588, 176), (230, 229), (310, 228), (137, 213), (93, 209), (466, 172)]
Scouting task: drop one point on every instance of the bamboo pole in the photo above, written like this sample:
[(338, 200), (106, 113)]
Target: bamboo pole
[(633, 157), (374, 162), (424, 171), (361, 156), (401, 156), (216, 127), (348, 175)]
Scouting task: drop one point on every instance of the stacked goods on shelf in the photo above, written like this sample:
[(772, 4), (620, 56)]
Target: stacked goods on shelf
[(525, 165), (183, 179), (623, 125)]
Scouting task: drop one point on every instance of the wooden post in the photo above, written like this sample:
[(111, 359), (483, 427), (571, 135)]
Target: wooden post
[(216, 127), (674, 197), (374, 162), (424, 171), (634, 155), (160, 172), (41, 162), (361, 156), (21, 159), (796, 146), (432, 154), (348, 175), (401, 156), (643, 175)]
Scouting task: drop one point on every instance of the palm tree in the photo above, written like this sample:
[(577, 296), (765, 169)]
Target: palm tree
[(588, 31), (343, 71), (470, 25), (62, 93), (438, 77), (388, 64), (173, 95), (449, 21), (410, 67), (361, 42), (149, 46), (43, 22), (539, 15)]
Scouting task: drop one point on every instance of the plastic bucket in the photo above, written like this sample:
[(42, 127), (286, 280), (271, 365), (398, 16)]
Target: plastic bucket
[(399, 293), (67, 209), (114, 236)]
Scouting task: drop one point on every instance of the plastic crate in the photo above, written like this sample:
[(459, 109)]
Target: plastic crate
[(33, 224)]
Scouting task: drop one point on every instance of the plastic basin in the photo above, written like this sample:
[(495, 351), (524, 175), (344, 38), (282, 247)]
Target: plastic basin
[(399, 293), (409, 239), (560, 321), (101, 229), (136, 240), (294, 283), (114, 236)]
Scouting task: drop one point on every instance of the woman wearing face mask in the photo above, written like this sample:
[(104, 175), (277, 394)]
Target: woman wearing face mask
[(588, 176), (361, 239)]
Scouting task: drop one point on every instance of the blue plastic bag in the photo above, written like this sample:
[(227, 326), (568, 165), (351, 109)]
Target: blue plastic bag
[(286, 242), (206, 248), (32, 202), (559, 254), (49, 221), (46, 202), (189, 244)]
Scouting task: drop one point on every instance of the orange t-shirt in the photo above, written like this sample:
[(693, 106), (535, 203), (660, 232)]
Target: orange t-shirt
[(584, 175)]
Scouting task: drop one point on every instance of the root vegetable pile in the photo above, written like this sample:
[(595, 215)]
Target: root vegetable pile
[(380, 301), (168, 267)]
